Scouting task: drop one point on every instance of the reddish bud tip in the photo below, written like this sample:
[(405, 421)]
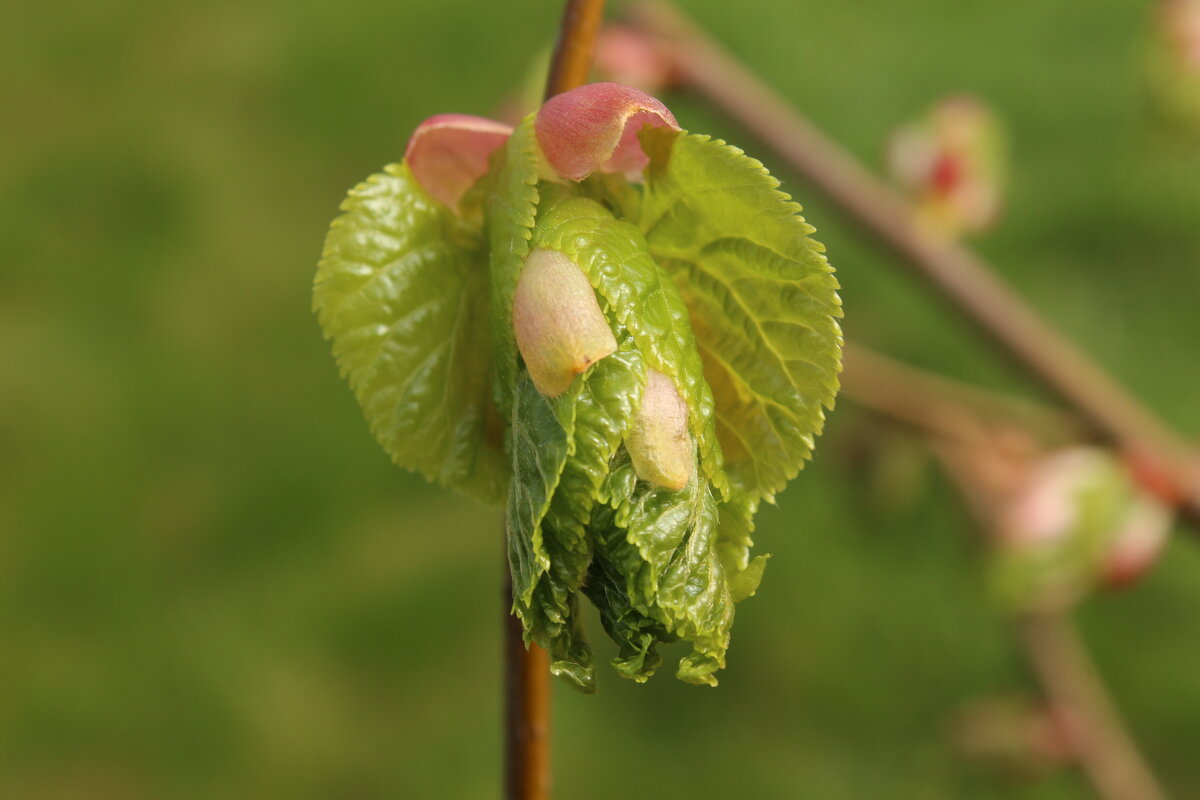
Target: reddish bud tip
[(449, 152), (560, 328), (658, 443), (596, 127)]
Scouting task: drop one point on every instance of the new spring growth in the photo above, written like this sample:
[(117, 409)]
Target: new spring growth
[(658, 442), (559, 326)]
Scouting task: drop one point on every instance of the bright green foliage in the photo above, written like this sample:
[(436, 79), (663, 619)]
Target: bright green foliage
[(511, 212), (643, 298), (401, 292), (705, 274), (762, 297)]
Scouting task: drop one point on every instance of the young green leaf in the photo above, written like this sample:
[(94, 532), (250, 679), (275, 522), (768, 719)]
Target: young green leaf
[(668, 558), (642, 299), (511, 214), (401, 290), (762, 299)]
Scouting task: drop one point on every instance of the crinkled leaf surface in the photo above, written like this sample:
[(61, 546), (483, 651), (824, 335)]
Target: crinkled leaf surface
[(402, 292), (663, 543), (706, 274), (762, 297), (643, 300), (512, 211)]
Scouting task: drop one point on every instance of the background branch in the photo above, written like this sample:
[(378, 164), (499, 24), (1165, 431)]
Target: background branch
[(1108, 755)]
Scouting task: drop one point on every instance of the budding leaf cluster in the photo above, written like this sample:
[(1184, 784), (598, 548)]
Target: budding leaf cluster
[(620, 331)]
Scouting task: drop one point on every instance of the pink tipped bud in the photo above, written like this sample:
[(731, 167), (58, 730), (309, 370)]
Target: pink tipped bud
[(1138, 544), (596, 127), (658, 443), (449, 152), (1180, 21), (952, 163), (560, 328)]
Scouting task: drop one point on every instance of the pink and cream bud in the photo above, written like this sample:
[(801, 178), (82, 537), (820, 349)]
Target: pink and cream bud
[(595, 127), (559, 326), (449, 152), (658, 443)]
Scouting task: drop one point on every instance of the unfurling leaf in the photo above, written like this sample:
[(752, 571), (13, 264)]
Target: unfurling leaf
[(636, 359), (559, 327), (401, 291)]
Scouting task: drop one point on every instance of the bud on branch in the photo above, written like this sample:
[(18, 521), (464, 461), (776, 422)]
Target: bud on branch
[(595, 127), (658, 443), (559, 327), (449, 152)]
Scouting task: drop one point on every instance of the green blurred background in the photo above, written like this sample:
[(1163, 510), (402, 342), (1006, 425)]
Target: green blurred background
[(213, 583)]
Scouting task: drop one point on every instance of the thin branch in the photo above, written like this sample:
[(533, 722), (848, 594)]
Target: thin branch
[(527, 712), (527, 670), (945, 407), (1108, 756), (572, 60), (959, 417), (961, 276)]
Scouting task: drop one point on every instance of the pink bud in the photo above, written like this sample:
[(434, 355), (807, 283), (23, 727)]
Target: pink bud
[(1138, 544), (1181, 24), (560, 328), (449, 152), (596, 127), (952, 163), (658, 443)]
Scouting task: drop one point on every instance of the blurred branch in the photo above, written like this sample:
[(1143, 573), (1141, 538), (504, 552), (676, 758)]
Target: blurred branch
[(960, 275), (945, 407), (1106, 753), (527, 669), (968, 421)]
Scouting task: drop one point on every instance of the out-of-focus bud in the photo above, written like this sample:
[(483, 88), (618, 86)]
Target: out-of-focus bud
[(595, 127), (1077, 520), (658, 443), (952, 163), (1138, 544), (1015, 734), (449, 152), (1181, 27), (626, 55), (1173, 63), (559, 326)]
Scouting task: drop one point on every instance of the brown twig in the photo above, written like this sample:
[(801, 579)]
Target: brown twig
[(572, 60), (526, 713), (1108, 756), (956, 272), (527, 670)]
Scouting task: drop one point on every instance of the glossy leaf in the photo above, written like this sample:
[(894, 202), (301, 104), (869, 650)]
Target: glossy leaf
[(761, 296), (512, 212), (643, 300), (401, 291), (668, 558)]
